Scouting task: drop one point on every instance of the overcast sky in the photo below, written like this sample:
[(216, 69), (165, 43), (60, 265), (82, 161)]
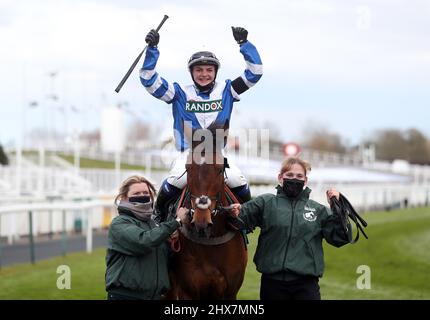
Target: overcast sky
[(352, 66)]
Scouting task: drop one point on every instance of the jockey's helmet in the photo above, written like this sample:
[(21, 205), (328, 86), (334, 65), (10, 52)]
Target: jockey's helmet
[(203, 58)]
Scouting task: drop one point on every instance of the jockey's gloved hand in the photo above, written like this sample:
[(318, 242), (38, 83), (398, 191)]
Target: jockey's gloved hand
[(240, 34), (152, 38)]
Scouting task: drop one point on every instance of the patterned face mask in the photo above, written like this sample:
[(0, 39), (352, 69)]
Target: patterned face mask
[(140, 206)]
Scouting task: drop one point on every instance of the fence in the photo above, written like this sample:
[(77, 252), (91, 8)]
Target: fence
[(32, 219), (366, 197), (40, 180)]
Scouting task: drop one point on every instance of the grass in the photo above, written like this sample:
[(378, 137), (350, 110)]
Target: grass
[(88, 163), (100, 164), (397, 252), (39, 281)]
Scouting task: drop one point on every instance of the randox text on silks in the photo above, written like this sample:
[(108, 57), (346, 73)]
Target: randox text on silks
[(204, 106)]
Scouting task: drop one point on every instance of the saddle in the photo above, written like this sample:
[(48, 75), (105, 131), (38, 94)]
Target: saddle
[(346, 211)]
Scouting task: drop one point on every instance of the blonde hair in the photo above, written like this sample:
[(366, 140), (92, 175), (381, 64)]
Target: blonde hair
[(290, 161), (127, 183)]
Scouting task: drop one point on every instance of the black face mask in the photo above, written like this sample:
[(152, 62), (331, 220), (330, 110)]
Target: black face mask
[(140, 199), (293, 187)]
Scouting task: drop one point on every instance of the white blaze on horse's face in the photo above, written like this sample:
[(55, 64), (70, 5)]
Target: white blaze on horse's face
[(203, 202)]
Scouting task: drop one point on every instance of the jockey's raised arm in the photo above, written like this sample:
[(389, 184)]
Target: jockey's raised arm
[(252, 73), (152, 81)]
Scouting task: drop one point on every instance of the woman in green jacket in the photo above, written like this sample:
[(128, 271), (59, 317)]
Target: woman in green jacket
[(137, 252), (289, 252)]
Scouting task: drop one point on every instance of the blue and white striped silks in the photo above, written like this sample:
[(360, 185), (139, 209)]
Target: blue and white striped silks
[(194, 108)]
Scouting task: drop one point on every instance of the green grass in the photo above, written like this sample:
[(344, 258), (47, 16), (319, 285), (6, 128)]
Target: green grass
[(100, 164), (39, 281), (398, 253), (87, 163)]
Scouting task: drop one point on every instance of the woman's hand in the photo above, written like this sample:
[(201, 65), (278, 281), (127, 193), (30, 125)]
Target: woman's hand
[(235, 209), (332, 192), (174, 236), (182, 214)]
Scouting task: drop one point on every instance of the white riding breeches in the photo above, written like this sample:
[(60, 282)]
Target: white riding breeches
[(178, 177)]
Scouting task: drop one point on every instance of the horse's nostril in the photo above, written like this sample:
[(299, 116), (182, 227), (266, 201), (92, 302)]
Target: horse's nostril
[(203, 200)]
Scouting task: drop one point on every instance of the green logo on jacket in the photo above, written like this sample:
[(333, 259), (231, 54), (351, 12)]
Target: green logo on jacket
[(203, 106)]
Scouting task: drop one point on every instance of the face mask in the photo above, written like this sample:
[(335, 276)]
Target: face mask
[(140, 206), (293, 187), (140, 199)]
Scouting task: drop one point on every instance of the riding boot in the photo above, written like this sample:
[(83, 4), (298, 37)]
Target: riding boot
[(166, 196), (242, 193)]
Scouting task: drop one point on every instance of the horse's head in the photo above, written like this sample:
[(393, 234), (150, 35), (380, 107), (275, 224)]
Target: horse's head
[(205, 175)]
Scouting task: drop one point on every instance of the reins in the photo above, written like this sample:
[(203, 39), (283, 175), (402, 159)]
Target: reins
[(345, 210)]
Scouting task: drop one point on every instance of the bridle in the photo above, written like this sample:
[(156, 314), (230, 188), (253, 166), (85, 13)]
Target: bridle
[(204, 202)]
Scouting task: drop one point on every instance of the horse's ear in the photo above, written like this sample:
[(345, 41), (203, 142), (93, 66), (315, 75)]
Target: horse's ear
[(217, 126), (219, 133), (221, 138), (226, 165), (198, 136)]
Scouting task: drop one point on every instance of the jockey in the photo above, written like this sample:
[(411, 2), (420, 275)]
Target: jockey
[(205, 103)]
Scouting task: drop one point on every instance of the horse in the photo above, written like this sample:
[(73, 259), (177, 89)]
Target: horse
[(213, 257)]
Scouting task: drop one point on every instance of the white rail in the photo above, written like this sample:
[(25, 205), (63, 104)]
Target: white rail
[(55, 217)]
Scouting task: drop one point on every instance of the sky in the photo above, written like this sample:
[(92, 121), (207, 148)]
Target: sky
[(349, 66)]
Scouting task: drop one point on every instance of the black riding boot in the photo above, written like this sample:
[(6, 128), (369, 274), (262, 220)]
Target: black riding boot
[(166, 196)]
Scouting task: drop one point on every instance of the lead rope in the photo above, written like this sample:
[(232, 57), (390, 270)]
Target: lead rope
[(175, 243)]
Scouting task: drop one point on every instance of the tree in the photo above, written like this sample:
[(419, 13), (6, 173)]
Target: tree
[(322, 139), (410, 145), (390, 144), (139, 131), (4, 160), (418, 150)]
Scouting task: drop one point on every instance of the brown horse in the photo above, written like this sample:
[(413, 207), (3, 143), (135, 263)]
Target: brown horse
[(212, 260)]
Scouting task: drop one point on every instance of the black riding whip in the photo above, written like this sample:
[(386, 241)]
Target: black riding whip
[(133, 65)]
